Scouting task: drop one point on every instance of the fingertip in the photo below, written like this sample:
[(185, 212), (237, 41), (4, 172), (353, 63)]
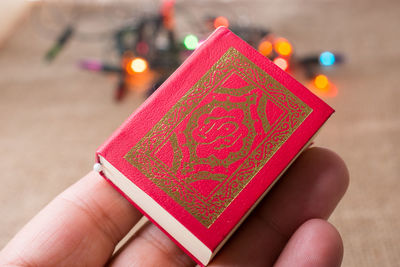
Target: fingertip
[(327, 166), (326, 172), (311, 188), (315, 243), (327, 241)]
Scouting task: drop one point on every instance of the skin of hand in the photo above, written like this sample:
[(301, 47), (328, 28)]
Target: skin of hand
[(82, 226)]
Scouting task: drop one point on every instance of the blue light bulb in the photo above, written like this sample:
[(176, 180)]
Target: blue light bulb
[(327, 58)]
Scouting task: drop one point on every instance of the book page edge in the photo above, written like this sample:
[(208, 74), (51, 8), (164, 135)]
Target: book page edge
[(171, 225)]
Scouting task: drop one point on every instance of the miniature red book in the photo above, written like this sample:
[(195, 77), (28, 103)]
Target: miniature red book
[(204, 149)]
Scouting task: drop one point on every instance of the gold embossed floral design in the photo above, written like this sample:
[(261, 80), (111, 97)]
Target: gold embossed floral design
[(214, 140)]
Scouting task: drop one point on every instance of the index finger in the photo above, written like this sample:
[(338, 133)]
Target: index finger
[(83, 224)]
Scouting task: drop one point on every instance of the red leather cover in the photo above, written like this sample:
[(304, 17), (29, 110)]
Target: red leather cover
[(213, 138)]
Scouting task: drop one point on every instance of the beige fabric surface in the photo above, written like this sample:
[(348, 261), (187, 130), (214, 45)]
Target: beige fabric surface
[(52, 117)]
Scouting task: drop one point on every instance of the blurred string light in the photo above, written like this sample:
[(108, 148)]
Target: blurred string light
[(137, 65), (60, 43), (141, 55), (281, 63), (283, 47), (327, 58), (95, 65), (167, 13), (321, 82), (324, 87), (190, 42), (265, 48), (221, 21), (142, 48)]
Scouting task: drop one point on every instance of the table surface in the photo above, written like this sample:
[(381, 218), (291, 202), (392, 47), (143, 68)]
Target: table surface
[(53, 116)]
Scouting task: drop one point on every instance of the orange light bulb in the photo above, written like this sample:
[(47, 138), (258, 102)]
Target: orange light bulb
[(221, 21), (321, 82), (265, 48), (283, 47)]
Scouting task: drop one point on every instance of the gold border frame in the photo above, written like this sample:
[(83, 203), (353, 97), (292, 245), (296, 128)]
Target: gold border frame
[(207, 210)]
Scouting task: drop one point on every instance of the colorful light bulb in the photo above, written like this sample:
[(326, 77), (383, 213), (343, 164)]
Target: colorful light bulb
[(321, 81), (92, 65), (327, 58), (142, 48), (282, 63), (138, 65), (265, 48), (221, 21), (190, 42), (283, 47)]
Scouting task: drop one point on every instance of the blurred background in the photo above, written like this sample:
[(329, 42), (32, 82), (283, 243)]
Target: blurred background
[(72, 71)]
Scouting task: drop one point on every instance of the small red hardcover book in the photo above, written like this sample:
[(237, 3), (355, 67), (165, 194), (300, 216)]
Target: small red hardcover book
[(204, 149)]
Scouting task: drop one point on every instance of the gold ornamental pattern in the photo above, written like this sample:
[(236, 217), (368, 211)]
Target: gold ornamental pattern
[(218, 136)]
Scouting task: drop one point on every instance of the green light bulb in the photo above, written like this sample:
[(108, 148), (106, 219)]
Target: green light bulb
[(190, 42)]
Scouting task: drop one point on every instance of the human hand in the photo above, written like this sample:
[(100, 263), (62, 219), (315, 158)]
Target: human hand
[(82, 226)]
